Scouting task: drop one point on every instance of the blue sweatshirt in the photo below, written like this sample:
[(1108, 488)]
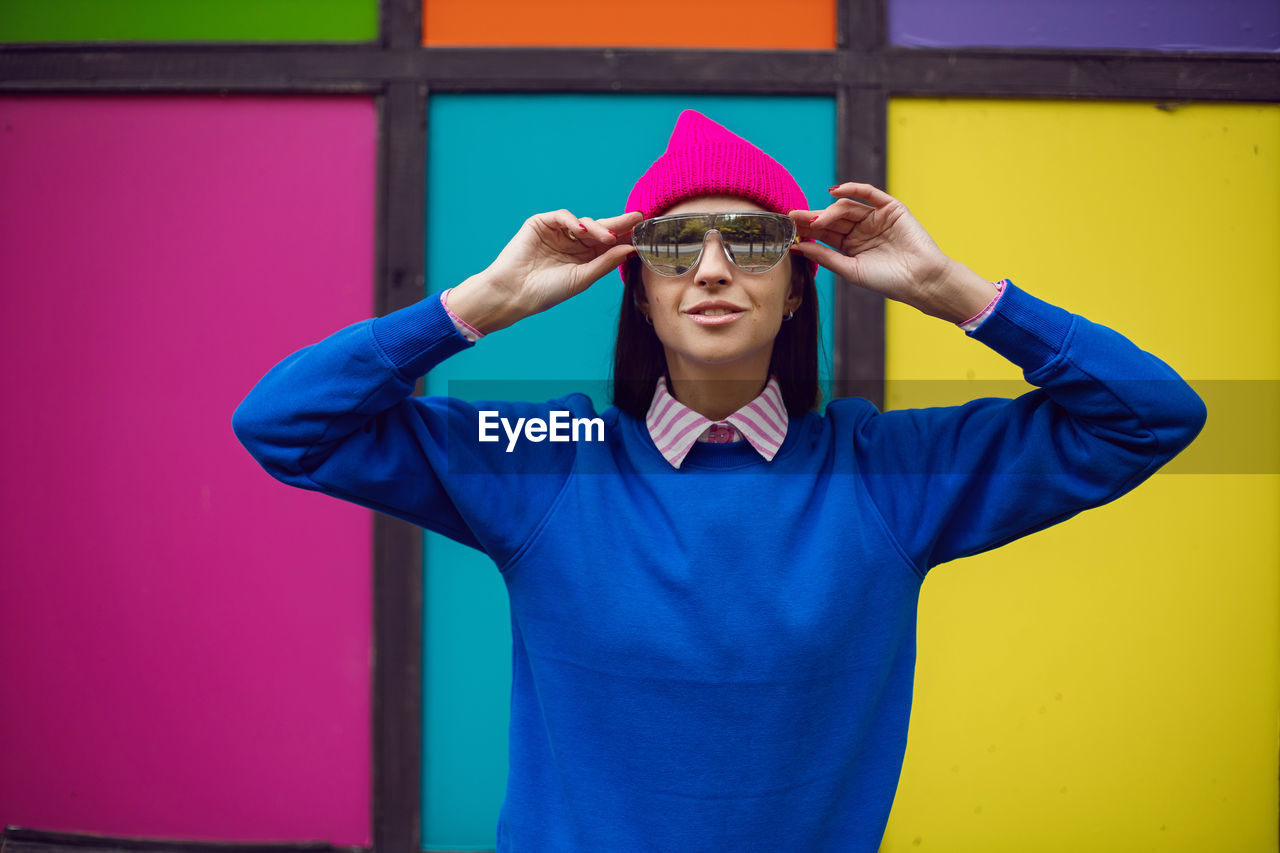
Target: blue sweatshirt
[(718, 657)]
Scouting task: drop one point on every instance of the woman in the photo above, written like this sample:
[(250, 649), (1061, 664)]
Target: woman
[(713, 605)]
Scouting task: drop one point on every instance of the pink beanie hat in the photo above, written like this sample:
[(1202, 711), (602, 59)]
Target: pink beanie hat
[(704, 158)]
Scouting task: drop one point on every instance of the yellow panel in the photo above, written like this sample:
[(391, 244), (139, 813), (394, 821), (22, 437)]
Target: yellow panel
[(1112, 683)]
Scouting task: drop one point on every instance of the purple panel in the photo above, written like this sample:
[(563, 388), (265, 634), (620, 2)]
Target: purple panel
[(1182, 25)]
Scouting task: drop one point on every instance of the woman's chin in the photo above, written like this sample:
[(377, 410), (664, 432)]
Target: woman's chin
[(720, 360)]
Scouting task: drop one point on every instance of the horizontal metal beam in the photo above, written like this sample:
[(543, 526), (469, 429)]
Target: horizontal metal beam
[(1082, 74), (200, 68), (16, 839), (350, 68), (369, 68), (609, 70)]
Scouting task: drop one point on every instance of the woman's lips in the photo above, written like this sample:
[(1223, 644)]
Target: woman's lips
[(714, 314), (715, 319)]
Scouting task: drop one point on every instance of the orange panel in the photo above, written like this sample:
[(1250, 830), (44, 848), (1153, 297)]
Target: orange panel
[(799, 24)]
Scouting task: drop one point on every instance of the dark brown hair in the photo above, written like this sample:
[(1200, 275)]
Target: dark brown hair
[(639, 359)]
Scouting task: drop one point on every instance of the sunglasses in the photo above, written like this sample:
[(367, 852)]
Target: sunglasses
[(754, 241)]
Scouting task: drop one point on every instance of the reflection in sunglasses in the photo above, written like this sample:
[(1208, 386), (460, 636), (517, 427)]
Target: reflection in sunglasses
[(753, 241)]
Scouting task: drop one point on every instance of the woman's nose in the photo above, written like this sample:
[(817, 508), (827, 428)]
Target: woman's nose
[(714, 267)]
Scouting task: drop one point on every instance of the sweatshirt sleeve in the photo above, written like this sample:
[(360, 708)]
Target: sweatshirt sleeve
[(339, 417), (955, 481)]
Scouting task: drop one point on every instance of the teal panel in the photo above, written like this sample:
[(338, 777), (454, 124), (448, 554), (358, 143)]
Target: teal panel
[(493, 161)]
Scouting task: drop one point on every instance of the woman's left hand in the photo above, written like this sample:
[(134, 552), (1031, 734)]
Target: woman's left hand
[(873, 241)]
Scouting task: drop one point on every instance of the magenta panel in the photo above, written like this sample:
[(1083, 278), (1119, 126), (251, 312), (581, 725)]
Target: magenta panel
[(184, 644)]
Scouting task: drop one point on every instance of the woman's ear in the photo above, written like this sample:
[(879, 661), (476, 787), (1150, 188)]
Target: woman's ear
[(795, 293), (794, 298)]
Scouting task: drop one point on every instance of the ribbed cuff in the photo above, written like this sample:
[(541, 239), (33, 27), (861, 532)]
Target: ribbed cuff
[(418, 337), (1028, 331)]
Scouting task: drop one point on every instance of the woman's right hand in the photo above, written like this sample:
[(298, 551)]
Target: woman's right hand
[(552, 257)]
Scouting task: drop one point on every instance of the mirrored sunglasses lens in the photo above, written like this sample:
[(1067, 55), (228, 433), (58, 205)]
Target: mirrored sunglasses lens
[(672, 246), (756, 243)]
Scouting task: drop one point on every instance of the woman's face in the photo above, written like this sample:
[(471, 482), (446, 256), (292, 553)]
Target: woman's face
[(716, 320)]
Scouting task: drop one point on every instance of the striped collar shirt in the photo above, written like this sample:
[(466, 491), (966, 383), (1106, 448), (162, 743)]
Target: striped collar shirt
[(675, 428)]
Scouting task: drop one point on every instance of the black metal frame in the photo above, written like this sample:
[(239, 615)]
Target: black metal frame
[(19, 840), (861, 73)]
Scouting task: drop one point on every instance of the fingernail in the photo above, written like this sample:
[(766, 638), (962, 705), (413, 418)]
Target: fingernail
[(814, 219), (611, 234), (836, 187), (583, 227)]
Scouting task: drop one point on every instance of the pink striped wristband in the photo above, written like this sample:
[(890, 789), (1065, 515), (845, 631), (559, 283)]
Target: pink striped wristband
[(464, 327), (976, 320)]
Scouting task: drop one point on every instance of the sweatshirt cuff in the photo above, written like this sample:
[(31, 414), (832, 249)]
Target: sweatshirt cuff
[(1028, 331), (418, 337)]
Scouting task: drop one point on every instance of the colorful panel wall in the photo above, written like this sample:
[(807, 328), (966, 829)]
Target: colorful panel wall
[(1109, 684), (185, 648), (800, 24), (580, 152), (1178, 25), (190, 20)]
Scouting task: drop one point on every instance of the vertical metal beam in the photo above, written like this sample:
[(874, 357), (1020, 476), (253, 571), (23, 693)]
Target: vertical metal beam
[(860, 156), (397, 559), (400, 23), (859, 314), (866, 25)]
